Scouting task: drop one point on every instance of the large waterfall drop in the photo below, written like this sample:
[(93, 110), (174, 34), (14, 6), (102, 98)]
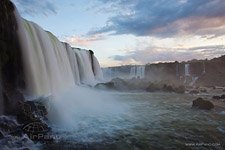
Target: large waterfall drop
[(50, 65)]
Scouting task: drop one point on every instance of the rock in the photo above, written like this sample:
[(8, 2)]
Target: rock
[(31, 111), (203, 91), (216, 97), (202, 104), (107, 85), (12, 99), (194, 92), (153, 88), (9, 125), (167, 88), (32, 115), (120, 84), (219, 97), (181, 89), (1, 135), (222, 96)]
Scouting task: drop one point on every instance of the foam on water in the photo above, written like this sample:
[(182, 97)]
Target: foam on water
[(82, 112)]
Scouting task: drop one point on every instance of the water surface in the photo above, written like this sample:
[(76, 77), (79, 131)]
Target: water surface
[(145, 121)]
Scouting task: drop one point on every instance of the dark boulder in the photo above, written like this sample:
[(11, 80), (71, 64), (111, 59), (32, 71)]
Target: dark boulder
[(216, 97), (32, 115), (203, 91), (153, 88), (180, 89), (107, 85), (120, 84), (194, 92), (202, 104), (167, 88), (31, 111), (1, 135), (12, 99), (222, 96), (9, 126), (219, 97)]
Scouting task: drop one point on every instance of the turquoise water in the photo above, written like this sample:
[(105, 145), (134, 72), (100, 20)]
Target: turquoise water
[(145, 121)]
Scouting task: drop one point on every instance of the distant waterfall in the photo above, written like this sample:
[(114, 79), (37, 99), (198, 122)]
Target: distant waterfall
[(187, 71), (137, 71), (50, 65), (124, 72), (133, 72), (177, 70), (203, 72)]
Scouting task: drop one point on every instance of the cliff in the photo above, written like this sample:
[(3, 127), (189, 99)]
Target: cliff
[(34, 63), (193, 73)]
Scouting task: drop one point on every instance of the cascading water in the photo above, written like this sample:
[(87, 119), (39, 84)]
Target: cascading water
[(137, 71), (85, 67), (73, 62), (177, 70), (187, 73), (98, 71), (47, 67), (203, 72), (124, 72), (133, 72), (52, 66)]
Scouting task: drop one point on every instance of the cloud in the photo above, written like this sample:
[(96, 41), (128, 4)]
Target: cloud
[(162, 54), (163, 18), (35, 7), (83, 41)]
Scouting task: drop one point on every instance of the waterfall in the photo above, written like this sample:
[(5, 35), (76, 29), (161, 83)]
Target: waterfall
[(124, 72), (51, 66), (132, 72), (187, 73), (177, 70), (203, 68), (137, 71), (85, 67), (98, 71), (73, 63)]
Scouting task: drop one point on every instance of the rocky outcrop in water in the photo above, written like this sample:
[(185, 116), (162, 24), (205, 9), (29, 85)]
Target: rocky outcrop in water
[(202, 104), (219, 97), (105, 86), (12, 135), (158, 87)]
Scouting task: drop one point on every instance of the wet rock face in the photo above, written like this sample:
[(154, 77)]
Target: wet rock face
[(12, 135), (202, 104), (11, 69), (219, 97), (8, 125), (32, 115)]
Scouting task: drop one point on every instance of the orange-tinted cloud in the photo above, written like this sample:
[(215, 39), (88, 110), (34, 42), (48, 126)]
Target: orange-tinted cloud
[(83, 41)]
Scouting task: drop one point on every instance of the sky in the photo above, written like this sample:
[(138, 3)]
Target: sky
[(123, 32)]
